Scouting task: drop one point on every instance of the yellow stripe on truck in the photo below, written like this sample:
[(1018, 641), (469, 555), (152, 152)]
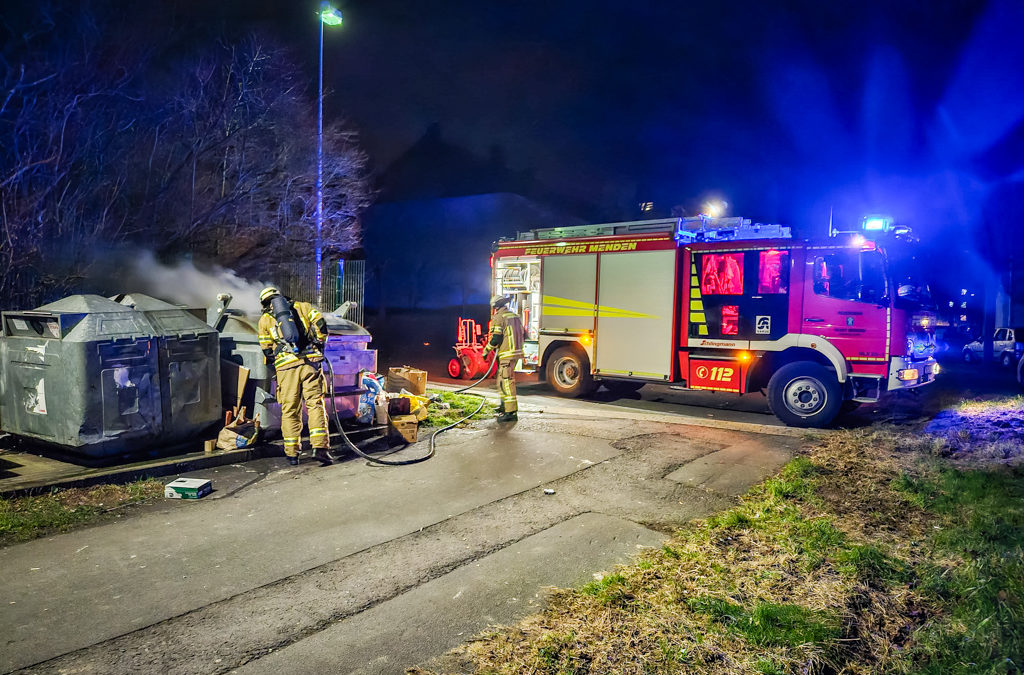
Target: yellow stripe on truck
[(555, 306)]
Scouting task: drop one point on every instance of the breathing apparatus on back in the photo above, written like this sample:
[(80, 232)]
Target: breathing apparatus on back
[(283, 311)]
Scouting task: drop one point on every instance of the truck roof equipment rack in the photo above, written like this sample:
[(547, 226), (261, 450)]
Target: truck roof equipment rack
[(684, 230)]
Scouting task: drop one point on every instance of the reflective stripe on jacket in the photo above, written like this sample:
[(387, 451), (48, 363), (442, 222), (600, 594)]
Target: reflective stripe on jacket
[(270, 337), (507, 331)]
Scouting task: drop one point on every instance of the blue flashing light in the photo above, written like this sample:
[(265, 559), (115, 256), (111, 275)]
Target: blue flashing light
[(877, 224)]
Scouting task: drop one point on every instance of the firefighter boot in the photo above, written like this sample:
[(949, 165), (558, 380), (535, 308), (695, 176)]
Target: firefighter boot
[(323, 456)]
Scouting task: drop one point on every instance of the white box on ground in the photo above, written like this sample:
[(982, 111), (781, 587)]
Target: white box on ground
[(188, 488)]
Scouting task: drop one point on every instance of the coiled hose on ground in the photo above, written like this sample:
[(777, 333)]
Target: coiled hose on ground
[(394, 462)]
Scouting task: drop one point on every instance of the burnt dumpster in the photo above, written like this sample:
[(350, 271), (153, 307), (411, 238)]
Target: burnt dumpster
[(346, 349), (101, 377)]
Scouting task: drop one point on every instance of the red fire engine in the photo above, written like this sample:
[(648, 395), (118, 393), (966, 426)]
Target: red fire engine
[(717, 304)]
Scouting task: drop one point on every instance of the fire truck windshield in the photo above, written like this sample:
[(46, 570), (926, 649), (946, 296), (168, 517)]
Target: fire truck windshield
[(852, 275)]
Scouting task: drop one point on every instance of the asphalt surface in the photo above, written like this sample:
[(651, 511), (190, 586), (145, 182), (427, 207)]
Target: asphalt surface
[(360, 568)]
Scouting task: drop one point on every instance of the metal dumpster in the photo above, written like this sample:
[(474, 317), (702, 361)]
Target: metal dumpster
[(82, 373), (189, 358)]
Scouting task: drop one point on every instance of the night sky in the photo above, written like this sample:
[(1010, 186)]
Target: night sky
[(784, 109)]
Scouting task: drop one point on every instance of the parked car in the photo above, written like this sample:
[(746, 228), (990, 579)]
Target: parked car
[(1007, 347)]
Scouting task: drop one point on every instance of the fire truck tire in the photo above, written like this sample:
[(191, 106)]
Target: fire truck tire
[(455, 368), (568, 373), (804, 394)]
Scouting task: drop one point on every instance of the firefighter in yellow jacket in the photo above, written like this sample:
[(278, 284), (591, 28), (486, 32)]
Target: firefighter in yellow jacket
[(292, 335), (507, 338)]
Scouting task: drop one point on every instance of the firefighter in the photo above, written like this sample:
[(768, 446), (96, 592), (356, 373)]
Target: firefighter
[(507, 338), (292, 334)]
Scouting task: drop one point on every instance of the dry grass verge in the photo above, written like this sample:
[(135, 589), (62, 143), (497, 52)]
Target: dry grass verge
[(870, 553)]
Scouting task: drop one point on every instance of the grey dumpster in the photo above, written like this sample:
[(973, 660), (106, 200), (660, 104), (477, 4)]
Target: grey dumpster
[(189, 358), (82, 373)]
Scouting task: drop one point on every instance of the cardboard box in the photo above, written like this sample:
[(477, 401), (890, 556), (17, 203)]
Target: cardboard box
[(403, 429), (399, 406), (412, 380), (233, 379), (188, 488)]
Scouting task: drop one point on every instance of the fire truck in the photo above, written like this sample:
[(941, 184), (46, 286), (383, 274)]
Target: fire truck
[(719, 304)]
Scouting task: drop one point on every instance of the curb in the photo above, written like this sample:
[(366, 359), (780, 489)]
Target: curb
[(149, 469)]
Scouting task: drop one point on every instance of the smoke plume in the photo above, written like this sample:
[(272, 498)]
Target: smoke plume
[(180, 282)]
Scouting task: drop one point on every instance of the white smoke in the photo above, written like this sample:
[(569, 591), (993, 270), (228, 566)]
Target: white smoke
[(183, 283)]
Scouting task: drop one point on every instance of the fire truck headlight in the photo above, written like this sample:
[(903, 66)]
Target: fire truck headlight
[(908, 374)]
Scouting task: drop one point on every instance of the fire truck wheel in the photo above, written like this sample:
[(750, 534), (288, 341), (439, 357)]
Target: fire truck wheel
[(455, 368), (569, 373), (804, 394)]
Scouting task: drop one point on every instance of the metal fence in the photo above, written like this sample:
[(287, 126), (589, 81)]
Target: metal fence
[(342, 281)]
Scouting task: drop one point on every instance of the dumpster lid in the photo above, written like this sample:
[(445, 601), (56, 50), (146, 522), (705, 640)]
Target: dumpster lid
[(84, 304), (339, 326), (143, 302)]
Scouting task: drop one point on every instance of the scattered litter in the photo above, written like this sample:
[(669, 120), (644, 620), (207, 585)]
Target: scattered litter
[(549, 491)]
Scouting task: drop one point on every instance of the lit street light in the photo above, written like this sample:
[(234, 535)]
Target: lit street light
[(332, 17), (715, 208)]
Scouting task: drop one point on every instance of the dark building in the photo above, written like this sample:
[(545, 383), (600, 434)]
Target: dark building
[(427, 241)]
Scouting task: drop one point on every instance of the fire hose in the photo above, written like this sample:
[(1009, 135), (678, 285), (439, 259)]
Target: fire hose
[(376, 460)]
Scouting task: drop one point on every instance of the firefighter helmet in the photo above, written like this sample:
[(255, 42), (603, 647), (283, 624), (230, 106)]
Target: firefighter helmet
[(267, 293), (499, 301)]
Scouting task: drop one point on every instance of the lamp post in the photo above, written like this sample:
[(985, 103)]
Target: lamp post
[(332, 17)]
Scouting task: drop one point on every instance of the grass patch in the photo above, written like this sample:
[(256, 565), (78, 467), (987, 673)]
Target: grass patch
[(24, 518), (609, 589), (459, 406), (867, 554), (990, 404)]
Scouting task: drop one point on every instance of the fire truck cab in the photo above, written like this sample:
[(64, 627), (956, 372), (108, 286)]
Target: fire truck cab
[(715, 304)]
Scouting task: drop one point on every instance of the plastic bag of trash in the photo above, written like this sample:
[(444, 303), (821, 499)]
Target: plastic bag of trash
[(373, 387), (415, 402)]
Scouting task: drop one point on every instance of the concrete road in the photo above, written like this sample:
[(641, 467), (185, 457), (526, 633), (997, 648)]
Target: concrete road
[(360, 568)]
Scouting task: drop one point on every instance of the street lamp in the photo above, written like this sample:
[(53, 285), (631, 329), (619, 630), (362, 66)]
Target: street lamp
[(715, 208), (332, 17)]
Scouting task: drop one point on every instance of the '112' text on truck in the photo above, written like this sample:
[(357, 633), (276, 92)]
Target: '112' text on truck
[(715, 304)]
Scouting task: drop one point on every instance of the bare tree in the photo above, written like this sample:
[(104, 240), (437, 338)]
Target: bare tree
[(103, 142)]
